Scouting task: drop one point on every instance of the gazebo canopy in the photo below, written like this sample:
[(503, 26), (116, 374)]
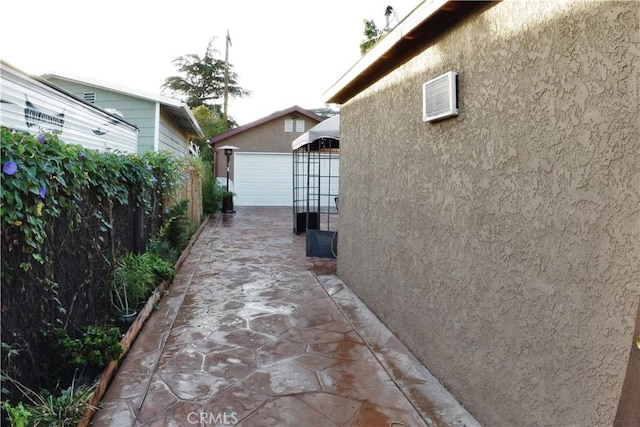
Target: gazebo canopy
[(329, 128)]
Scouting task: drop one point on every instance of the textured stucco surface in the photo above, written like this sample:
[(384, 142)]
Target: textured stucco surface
[(503, 246)]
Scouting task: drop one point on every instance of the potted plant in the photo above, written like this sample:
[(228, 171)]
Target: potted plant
[(125, 313), (134, 278)]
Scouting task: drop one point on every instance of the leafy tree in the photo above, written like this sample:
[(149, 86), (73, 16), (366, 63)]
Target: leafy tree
[(372, 34), (202, 83), (203, 78), (211, 123)]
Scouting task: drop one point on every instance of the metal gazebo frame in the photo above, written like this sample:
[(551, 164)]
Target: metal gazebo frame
[(316, 160)]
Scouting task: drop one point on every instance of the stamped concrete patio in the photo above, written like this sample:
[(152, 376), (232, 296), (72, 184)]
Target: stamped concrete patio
[(254, 333)]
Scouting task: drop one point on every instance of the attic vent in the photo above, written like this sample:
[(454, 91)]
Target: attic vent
[(89, 97), (288, 125), (439, 99)]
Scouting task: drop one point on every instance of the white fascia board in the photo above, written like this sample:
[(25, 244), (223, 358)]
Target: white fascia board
[(416, 17)]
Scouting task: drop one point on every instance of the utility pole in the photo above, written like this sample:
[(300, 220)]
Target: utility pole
[(226, 81)]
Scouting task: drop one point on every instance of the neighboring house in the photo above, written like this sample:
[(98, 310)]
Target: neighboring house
[(164, 123), (261, 168), (502, 244), (33, 105)]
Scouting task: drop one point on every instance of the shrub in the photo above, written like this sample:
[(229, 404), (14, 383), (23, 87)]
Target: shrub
[(62, 222), (212, 193), (162, 269), (176, 229), (96, 347), (132, 281), (135, 276), (65, 409), (163, 249)]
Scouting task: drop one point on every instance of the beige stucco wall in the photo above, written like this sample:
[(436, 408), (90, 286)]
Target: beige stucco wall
[(503, 246)]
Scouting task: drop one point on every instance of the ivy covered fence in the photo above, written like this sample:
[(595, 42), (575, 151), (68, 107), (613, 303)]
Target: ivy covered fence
[(67, 214)]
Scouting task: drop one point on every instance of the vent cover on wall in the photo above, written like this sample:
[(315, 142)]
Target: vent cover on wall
[(89, 97), (439, 99)]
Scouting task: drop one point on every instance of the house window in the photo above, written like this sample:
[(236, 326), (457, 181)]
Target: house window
[(288, 125), (89, 97)]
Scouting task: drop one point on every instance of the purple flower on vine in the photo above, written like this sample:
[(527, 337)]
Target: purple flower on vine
[(41, 138), (42, 192), (10, 167), (82, 155)]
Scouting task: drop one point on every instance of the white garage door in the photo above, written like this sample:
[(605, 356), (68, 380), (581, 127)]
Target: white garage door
[(263, 179)]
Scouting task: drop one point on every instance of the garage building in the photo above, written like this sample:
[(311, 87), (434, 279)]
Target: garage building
[(260, 167)]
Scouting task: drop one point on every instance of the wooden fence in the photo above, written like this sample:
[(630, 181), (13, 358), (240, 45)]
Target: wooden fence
[(191, 190)]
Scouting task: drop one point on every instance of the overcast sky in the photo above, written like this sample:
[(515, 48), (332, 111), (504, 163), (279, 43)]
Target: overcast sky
[(285, 52)]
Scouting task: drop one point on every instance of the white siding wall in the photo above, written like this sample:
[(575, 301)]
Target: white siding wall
[(170, 138), (30, 106)]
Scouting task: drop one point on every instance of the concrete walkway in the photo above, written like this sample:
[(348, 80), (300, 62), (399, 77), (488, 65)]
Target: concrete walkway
[(254, 333)]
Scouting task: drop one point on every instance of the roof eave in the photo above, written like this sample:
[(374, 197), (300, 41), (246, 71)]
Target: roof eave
[(183, 116), (116, 88), (176, 108), (411, 36)]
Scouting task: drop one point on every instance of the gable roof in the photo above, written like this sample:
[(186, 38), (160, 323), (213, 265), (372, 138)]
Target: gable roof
[(176, 109), (289, 111), (418, 30)]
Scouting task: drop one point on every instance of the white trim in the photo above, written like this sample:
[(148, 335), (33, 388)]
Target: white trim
[(116, 88), (156, 128)]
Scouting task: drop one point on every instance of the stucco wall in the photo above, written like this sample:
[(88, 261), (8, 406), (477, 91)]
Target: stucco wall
[(503, 246)]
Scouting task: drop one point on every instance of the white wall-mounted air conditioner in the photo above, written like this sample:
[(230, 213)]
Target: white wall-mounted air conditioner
[(439, 99)]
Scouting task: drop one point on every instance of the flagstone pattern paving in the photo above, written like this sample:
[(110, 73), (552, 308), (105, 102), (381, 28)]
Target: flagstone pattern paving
[(254, 333)]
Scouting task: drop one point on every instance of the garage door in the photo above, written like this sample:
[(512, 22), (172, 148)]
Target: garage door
[(263, 179)]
